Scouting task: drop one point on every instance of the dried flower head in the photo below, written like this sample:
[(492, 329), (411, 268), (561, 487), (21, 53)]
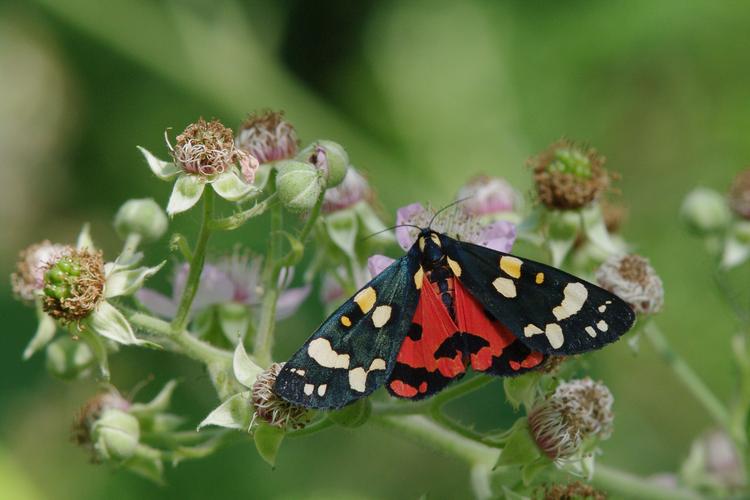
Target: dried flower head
[(268, 137), (271, 408), (614, 216), (487, 195), (571, 491), (569, 176), (90, 413), (28, 280), (207, 149), (576, 411), (632, 278), (739, 194), (74, 285), (351, 191)]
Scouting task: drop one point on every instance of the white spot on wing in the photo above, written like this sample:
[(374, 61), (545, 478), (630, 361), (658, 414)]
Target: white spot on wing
[(505, 286), (309, 389), (590, 330), (554, 335), (381, 315), (377, 364), (321, 351), (322, 389), (602, 308), (531, 329), (358, 375), (574, 296), (602, 325)]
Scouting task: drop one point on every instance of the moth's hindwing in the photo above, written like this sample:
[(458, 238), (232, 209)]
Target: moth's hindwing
[(354, 350), (549, 310)]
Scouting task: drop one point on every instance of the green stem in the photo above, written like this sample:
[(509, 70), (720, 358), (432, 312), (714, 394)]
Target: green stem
[(196, 264), (634, 487), (441, 399), (130, 246), (317, 426), (686, 375), (187, 344), (264, 336), (236, 220)]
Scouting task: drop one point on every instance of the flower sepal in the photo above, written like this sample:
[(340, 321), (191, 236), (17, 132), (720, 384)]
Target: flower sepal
[(68, 359), (45, 332), (186, 192), (164, 170), (121, 280), (268, 440), (108, 322)]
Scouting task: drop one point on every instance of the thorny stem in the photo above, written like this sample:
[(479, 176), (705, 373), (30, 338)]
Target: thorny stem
[(686, 375), (196, 264)]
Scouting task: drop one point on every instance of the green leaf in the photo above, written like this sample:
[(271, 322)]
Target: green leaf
[(342, 228), (522, 389), (164, 170), (531, 470), (268, 441), (520, 449), (230, 187), (352, 415), (186, 193)]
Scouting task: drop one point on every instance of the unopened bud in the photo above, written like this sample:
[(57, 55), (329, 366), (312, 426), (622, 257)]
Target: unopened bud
[(115, 435), (705, 211), (298, 185), (143, 217), (328, 156)]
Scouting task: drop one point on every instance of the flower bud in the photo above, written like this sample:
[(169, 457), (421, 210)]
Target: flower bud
[(91, 412), (488, 196), (723, 461), (739, 194), (74, 285), (68, 359), (577, 411), (298, 185), (28, 280), (569, 176), (351, 191), (741, 232), (705, 211), (115, 435), (329, 157), (632, 278), (142, 217), (272, 409), (268, 137)]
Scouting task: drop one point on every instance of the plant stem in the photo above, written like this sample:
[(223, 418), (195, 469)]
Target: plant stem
[(130, 246), (630, 486), (264, 336), (236, 220), (318, 426), (686, 375), (188, 345), (196, 264)]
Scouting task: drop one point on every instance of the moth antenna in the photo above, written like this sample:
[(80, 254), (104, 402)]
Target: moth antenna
[(453, 204), (389, 229)]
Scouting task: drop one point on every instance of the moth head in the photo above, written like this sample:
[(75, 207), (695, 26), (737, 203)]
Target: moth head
[(430, 246)]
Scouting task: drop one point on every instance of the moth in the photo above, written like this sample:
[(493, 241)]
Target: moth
[(443, 307)]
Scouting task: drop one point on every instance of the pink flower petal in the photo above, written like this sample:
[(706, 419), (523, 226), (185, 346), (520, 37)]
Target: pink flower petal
[(290, 300), (157, 303), (377, 264), (407, 215), (498, 236)]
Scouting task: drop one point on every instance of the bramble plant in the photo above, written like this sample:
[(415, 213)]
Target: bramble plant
[(223, 313)]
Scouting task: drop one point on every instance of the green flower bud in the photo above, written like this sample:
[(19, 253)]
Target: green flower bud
[(142, 217), (115, 435), (741, 231), (330, 157), (705, 211), (68, 359), (298, 185), (74, 285)]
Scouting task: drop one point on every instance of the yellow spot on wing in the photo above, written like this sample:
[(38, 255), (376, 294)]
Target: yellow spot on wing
[(454, 267), (539, 278), (346, 321), (505, 286), (511, 266), (418, 278), (365, 299), (435, 239)]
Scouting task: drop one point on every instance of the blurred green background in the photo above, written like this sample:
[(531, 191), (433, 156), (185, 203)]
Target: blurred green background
[(422, 94)]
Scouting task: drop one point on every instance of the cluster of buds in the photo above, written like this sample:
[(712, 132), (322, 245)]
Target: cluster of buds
[(577, 412), (104, 426), (568, 176), (74, 285)]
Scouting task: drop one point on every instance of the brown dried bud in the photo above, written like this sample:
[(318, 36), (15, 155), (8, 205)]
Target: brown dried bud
[(569, 176), (207, 149), (572, 491), (271, 408), (632, 278), (90, 413), (268, 137)]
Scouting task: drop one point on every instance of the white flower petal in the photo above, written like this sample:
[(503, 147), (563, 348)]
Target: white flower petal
[(108, 322), (230, 187), (164, 170), (45, 330), (186, 193), (84, 239), (245, 370), (127, 282), (234, 413)]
